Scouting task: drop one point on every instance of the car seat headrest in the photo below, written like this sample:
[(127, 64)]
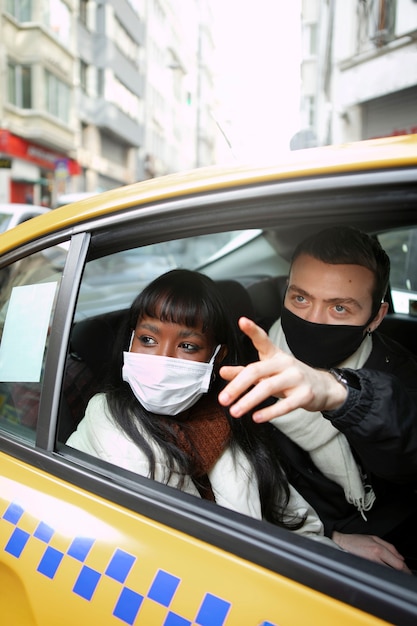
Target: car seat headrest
[(237, 299), (92, 341)]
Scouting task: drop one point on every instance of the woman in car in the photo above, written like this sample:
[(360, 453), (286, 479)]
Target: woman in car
[(159, 415)]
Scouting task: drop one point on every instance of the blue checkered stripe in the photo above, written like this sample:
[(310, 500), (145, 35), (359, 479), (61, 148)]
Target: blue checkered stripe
[(213, 610)]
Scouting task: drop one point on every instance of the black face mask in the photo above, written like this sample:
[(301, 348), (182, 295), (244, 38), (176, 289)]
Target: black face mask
[(320, 345)]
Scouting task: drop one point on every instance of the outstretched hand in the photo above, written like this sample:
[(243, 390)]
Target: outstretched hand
[(276, 374)]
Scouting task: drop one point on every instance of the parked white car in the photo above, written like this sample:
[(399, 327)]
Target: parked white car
[(14, 213), (69, 198)]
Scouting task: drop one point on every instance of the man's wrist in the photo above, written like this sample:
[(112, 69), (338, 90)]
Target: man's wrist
[(337, 393), (351, 383)]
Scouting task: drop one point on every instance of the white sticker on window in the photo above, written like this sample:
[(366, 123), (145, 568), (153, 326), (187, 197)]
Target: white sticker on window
[(25, 330)]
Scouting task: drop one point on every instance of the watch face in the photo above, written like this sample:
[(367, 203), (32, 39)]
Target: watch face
[(347, 377), (338, 375)]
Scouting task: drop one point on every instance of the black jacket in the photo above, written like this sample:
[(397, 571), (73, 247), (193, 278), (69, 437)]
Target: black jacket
[(381, 428)]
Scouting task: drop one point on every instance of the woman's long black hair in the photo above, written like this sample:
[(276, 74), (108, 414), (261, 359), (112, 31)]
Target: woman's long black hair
[(192, 299)]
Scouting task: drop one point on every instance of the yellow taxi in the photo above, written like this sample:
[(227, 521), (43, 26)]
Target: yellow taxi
[(85, 542)]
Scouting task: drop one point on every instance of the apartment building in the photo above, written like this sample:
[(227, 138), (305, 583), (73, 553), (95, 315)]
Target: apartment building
[(96, 94), (38, 125), (179, 126), (359, 69), (110, 92)]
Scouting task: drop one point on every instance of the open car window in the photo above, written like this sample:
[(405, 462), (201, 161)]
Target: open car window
[(109, 285), (401, 246)]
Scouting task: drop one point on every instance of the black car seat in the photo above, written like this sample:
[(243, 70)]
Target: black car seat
[(239, 304), (267, 296), (87, 364)]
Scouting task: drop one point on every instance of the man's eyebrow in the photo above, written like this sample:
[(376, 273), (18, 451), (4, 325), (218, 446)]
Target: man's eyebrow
[(351, 301), (303, 292), (300, 291)]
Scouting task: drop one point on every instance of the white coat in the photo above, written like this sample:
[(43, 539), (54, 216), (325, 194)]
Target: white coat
[(232, 479)]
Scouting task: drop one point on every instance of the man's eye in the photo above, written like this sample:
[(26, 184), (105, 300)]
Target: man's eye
[(300, 299), (339, 308)]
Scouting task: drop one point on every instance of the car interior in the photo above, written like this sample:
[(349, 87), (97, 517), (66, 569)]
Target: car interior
[(250, 268), (258, 295)]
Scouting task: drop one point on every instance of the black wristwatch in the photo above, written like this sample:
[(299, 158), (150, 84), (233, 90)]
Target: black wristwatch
[(352, 384), (346, 377)]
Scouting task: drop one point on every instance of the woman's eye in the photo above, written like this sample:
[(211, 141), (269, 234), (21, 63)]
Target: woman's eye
[(145, 340), (189, 347)]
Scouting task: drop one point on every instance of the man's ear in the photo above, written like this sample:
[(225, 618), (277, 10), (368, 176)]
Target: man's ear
[(383, 310)]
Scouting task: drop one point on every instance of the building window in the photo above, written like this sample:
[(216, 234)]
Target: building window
[(121, 96), (310, 38), (57, 18), (376, 22), (125, 42), (83, 76), (84, 12), (113, 150), (57, 97), (19, 81), (309, 111), (100, 82), (20, 9)]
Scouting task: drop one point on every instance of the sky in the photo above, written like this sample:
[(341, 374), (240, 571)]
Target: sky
[(258, 70)]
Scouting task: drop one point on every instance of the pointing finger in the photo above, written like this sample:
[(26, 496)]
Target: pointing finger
[(259, 338)]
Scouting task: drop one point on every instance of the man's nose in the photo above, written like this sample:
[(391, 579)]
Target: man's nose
[(316, 315)]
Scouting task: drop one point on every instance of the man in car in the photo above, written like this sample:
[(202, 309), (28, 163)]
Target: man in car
[(346, 415)]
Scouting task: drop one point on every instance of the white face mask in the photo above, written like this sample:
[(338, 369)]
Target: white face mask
[(166, 385)]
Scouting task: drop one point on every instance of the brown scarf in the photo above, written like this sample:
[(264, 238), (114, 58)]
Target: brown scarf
[(202, 434)]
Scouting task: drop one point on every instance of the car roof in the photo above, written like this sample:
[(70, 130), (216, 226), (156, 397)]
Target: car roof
[(378, 154)]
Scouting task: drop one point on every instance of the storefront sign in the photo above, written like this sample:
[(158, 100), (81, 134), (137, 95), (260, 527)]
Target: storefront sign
[(46, 159)]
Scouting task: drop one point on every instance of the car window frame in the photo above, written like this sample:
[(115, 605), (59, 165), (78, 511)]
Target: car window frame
[(58, 342)]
